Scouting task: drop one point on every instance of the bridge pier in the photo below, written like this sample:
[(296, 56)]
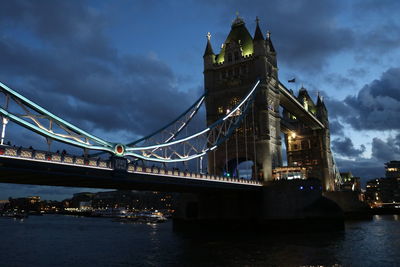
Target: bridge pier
[(281, 206)]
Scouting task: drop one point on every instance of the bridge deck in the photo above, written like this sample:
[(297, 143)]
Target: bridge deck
[(19, 167)]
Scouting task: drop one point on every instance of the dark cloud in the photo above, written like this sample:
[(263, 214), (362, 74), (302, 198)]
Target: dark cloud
[(357, 72), (336, 128), (377, 105), (344, 147), (309, 35), (69, 67), (365, 168), (337, 109), (339, 81), (386, 150)]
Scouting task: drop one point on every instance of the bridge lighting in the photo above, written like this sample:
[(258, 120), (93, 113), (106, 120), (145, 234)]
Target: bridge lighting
[(119, 150)]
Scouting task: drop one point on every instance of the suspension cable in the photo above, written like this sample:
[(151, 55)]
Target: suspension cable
[(237, 154), (254, 143), (226, 152), (245, 137), (215, 171)]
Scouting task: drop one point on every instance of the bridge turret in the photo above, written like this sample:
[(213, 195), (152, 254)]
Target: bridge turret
[(306, 100), (259, 42), (209, 56), (322, 112), (271, 54)]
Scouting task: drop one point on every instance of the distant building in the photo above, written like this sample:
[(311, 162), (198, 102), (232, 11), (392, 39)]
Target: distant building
[(81, 199), (381, 191), (31, 203), (3, 203), (349, 182), (132, 200), (392, 171)]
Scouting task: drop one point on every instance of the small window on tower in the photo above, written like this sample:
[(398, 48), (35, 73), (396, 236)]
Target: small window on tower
[(243, 69), (229, 57), (304, 145)]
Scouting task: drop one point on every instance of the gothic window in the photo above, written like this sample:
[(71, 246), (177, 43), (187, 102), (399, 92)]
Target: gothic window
[(236, 56), (243, 69), (304, 144), (229, 57), (223, 74), (236, 71)]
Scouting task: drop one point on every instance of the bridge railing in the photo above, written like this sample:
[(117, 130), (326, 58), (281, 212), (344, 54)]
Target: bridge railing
[(132, 168), (45, 156), (66, 159)]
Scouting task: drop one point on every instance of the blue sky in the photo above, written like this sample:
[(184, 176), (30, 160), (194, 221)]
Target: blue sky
[(120, 69)]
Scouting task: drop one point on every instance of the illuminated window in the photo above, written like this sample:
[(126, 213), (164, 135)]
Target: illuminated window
[(234, 101), (220, 110)]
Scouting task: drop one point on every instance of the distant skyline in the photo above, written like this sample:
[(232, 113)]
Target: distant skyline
[(121, 69)]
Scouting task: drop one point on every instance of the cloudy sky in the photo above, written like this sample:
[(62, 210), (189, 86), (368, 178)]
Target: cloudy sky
[(120, 69)]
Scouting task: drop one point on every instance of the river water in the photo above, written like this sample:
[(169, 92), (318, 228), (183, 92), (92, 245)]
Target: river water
[(56, 240)]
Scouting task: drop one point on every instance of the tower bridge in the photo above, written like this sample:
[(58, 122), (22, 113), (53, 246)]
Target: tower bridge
[(243, 98)]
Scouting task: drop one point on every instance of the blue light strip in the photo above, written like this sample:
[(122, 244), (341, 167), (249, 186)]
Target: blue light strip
[(203, 131), (197, 105), (42, 111), (42, 132)]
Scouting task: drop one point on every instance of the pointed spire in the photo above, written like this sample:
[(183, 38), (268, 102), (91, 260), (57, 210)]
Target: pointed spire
[(209, 50), (258, 34), (269, 42), (320, 100)]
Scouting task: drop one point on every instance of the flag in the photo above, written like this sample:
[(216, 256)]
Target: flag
[(292, 80)]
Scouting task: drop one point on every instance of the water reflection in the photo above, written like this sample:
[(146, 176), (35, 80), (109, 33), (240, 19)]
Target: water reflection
[(93, 241)]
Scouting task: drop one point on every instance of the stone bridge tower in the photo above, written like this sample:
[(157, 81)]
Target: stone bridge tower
[(310, 148), (228, 77)]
